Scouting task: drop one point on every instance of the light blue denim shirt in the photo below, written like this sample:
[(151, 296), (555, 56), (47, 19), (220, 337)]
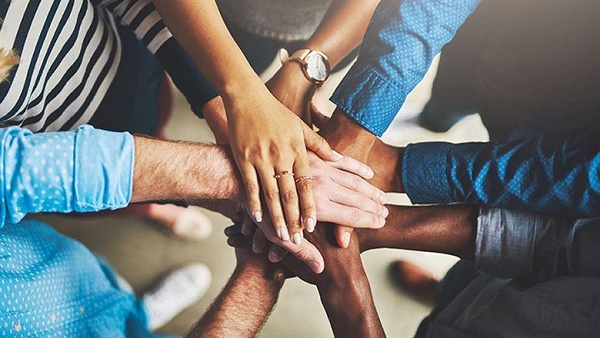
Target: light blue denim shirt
[(81, 170), (51, 285)]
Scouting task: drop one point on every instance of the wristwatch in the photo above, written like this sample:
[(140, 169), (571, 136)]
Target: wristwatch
[(314, 64)]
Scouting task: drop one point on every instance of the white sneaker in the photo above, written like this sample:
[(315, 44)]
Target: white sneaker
[(177, 291), (192, 224)]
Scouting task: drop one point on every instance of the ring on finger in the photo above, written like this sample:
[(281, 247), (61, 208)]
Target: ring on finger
[(302, 178), (283, 173)]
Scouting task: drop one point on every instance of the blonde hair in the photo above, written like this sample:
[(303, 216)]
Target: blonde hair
[(8, 59)]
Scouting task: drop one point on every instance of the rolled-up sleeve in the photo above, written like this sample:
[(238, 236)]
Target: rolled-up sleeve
[(402, 39), (514, 244), (82, 170)]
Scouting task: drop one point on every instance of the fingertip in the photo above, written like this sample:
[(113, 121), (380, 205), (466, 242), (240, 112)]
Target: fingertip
[(257, 214), (316, 267)]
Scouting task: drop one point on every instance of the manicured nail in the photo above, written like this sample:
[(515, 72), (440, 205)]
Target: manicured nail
[(283, 234), (382, 198), (346, 238), (310, 224), (386, 212), (369, 173), (314, 266), (297, 239), (258, 216), (338, 155)]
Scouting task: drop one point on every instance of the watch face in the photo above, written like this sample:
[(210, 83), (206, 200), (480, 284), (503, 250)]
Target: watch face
[(317, 67)]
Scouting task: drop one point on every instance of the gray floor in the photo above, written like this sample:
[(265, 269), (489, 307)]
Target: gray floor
[(142, 254)]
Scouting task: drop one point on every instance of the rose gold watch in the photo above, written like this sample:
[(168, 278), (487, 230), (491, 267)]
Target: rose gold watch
[(314, 64)]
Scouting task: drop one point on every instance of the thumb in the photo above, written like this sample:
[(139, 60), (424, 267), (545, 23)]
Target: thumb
[(319, 145), (342, 235)]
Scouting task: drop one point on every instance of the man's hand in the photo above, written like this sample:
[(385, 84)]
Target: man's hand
[(349, 138), (386, 162)]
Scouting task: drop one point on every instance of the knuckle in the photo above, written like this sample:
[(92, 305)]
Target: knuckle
[(356, 182), (272, 195), (355, 216), (305, 186), (290, 196), (251, 188)]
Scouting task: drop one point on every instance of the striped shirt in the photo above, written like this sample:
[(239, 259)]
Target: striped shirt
[(69, 55)]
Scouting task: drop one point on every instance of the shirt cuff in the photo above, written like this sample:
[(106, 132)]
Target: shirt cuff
[(103, 171), (369, 98), (425, 173)]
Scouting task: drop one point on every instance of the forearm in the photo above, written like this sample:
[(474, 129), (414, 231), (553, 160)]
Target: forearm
[(443, 229), (345, 135), (182, 171), (200, 30), (241, 308), (349, 305), (342, 29)]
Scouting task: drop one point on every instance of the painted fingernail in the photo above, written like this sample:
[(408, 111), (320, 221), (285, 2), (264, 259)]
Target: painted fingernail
[(297, 239), (338, 155), (283, 234), (258, 216), (314, 266), (346, 238), (310, 224)]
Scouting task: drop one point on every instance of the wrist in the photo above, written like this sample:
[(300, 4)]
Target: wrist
[(345, 134)]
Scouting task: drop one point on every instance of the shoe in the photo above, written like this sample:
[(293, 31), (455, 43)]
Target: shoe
[(415, 280), (177, 291), (191, 224)]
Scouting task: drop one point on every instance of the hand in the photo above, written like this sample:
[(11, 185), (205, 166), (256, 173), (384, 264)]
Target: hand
[(267, 139), (342, 196), (351, 139)]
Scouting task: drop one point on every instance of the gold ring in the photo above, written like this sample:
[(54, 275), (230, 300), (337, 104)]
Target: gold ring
[(283, 173), (302, 178)]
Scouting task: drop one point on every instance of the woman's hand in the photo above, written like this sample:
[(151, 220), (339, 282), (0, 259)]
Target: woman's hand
[(269, 146)]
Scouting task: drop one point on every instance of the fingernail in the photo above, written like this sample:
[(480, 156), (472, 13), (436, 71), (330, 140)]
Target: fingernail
[(386, 212), (258, 216), (347, 238), (272, 256), (279, 276), (369, 173), (297, 239), (314, 266), (338, 155), (383, 198), (283, 234), (256, 249), (382, 221), (310, 224)]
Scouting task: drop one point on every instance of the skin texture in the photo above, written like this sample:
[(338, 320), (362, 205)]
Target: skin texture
[(265, 137), (201, 174), (246, 301), (343, 286)]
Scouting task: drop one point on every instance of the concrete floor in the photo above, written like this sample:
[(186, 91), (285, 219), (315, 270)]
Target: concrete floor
[(142, 254)]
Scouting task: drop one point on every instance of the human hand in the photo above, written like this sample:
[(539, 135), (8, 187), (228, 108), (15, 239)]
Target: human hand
[(351, 139), (342, 196), (269, 144)]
